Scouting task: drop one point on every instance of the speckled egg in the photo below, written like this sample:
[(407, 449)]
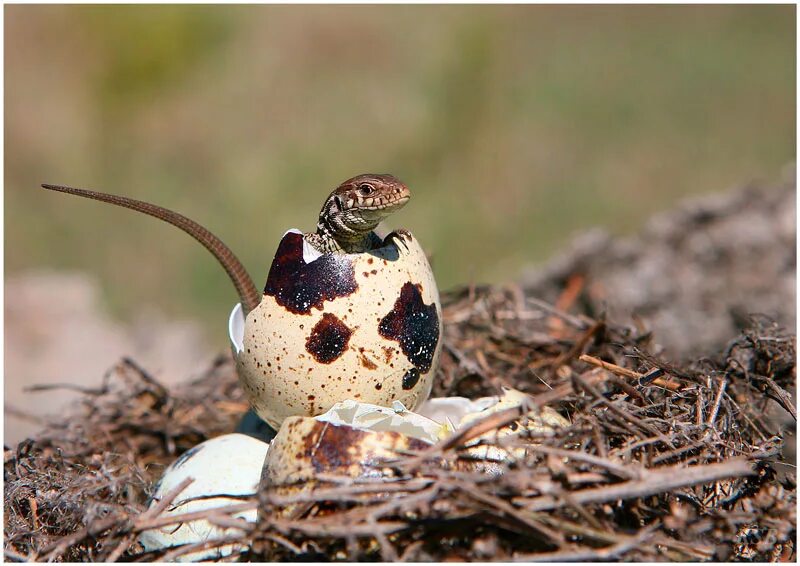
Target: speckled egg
[(221, 468), (330, 327)]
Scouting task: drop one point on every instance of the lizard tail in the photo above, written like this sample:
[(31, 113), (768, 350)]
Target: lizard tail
[(248, 294)]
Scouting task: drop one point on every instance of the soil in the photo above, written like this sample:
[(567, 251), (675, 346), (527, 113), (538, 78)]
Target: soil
[(694, 274), (69, 338)]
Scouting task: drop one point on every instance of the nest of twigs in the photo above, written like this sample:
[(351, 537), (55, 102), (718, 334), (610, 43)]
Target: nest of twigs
[(660, 462), (663, 460)]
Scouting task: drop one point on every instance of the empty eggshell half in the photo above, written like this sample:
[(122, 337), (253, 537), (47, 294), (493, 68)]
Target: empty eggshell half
[(364, 326), (229, 465)]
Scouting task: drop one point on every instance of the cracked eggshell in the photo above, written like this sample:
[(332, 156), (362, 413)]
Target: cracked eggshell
[(230, 465), (396, 418), (364, 326), (462, 412)]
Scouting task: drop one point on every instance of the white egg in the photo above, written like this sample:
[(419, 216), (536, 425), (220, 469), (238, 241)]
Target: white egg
[(364, 326), (229, 465)]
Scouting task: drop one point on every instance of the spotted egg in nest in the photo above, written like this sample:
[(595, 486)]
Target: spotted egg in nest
[(364, 326)]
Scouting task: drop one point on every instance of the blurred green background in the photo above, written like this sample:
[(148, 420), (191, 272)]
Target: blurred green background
[(514, 126)]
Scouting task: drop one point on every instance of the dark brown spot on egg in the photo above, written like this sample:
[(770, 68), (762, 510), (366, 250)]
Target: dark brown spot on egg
[(410, 379), (332, 453), (328, 339), (298, 286), (414, 325)]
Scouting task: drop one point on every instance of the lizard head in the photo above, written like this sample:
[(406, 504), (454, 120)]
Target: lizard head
[(359, 204), (370, 198)]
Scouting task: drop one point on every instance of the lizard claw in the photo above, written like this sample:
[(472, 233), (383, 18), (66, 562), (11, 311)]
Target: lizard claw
[(398, 238)]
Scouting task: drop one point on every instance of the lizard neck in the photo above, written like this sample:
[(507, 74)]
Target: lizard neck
[(340, 241), (334, 236)]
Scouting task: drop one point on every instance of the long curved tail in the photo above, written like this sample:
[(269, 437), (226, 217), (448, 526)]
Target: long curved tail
[(248, 294)]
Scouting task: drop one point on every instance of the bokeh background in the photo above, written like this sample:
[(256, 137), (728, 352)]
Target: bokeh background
[(515, 127)]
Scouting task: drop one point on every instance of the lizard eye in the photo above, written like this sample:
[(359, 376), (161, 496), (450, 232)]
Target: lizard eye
[(365, 189)]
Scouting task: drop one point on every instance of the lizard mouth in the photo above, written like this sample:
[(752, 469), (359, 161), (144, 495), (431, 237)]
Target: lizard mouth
[(380, 211), (391, 206)]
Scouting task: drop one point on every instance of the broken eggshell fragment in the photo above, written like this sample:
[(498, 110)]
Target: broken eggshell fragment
[(462, 411), (489, 450), (364, 326), (396, 418), (224, 466)]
